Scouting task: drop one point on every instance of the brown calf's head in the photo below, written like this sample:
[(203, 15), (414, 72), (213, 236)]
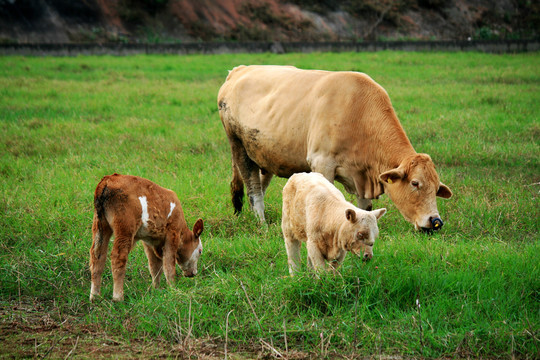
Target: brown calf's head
[(190, 251), (359, 232), (413, 186)]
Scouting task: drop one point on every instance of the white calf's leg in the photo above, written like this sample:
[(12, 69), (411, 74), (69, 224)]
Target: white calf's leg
[(293, 254), (315, 258)]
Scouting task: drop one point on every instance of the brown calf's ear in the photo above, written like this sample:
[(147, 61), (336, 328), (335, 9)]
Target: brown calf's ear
[(198, 228), (444, 191), (351, 215), (392, 175), (379, 212)]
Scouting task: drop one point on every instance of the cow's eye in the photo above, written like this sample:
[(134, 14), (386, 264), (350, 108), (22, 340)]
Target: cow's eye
[(414, 183)]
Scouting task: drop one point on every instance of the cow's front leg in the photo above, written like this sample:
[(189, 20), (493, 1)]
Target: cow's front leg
[(155, 264), (315, 257), (323, 165), (266, 177), (364, 204), (172, 242), (335, 264)]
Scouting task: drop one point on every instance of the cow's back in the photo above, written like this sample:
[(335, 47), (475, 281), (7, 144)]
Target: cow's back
[(125, 193), (282, 114)]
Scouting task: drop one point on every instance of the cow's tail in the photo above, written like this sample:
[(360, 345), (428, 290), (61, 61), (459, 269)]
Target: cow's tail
[(103, 196), (237, 189)]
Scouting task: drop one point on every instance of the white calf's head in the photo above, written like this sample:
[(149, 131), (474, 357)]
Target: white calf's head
[(190, 251), (359, 231)]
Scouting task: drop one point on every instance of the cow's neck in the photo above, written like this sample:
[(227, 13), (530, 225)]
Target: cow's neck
[(387, 148), (390, 145)]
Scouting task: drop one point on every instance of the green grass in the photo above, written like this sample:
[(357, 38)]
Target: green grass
[(66, 122)]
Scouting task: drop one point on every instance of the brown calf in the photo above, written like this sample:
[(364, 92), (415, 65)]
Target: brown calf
[(133, 208)]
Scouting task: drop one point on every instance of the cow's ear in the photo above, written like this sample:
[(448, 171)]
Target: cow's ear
[(392, 175), (198, 228), (351, 215), (379, 212), (444, 191)]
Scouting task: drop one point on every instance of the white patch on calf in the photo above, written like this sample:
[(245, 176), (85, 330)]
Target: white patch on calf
[(197, 252), (144, 206), (173, 205), (190, 266)]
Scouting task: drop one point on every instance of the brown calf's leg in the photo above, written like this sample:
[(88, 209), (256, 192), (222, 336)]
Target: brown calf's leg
[(123, 242), (155, 264), (172, 242), (292, 246), (101, 234)]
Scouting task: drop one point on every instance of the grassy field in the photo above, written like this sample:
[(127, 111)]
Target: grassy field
[(469, 291)]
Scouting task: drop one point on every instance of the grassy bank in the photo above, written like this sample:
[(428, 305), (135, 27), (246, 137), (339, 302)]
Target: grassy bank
[(472, 290)]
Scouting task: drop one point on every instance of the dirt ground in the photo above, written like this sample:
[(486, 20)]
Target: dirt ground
[(27, 330), (30, 330)]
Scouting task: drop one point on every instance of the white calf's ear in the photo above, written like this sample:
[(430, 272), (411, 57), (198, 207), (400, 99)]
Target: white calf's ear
[(444, 191), (351, 215), (379, 212), (392, 175)]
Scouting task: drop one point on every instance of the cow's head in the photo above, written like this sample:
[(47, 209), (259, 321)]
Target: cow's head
[(190, 251), (413, 186), (358, 233)]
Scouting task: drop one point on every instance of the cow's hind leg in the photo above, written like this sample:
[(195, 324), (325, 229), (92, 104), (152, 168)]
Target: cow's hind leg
[(123, 242), (101, 234), (237, 189), (292, 245), (293, 253), (249, 171)]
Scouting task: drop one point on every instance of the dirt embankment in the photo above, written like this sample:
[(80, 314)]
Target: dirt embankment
[(151, 21)]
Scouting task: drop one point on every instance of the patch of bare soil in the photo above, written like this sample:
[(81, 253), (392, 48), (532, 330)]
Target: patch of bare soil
[(31, 330), (36, 330)]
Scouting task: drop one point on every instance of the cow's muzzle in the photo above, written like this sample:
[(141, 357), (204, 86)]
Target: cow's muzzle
[(436, 225)]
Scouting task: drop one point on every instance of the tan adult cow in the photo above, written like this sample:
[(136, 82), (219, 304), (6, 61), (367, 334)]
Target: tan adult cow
[(282, 120)]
